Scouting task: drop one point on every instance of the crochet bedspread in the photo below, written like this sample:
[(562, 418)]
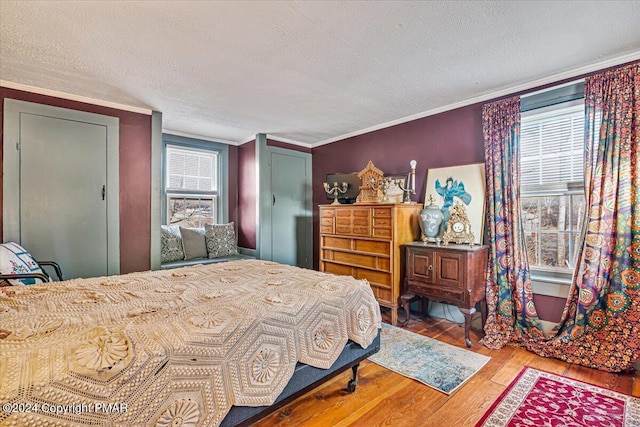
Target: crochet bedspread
[(173, 347)]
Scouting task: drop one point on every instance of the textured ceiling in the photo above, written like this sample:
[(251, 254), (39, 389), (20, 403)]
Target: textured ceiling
[(303, 71)]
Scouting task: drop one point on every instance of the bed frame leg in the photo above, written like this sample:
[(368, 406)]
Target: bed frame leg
[(351, 386)]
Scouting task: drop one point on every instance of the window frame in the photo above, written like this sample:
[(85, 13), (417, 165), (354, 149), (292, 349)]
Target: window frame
[(222, 175), (545, 276)]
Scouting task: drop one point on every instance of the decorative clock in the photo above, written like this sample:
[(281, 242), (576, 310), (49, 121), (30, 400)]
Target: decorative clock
[(458, 227)]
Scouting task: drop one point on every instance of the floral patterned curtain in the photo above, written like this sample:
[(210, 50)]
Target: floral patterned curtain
[(600, 325), (511, 314)]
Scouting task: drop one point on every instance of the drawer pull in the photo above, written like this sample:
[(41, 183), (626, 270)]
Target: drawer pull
[(430, 268)]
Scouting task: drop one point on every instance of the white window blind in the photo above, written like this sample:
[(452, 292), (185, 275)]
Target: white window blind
[(552, 148), (191, 170), (191, 186), (552, 193)]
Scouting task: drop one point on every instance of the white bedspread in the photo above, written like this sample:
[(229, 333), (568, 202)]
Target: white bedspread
[(165, 347)]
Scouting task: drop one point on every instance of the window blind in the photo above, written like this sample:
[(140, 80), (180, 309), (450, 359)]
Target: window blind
[(552, 148), (191, 170)]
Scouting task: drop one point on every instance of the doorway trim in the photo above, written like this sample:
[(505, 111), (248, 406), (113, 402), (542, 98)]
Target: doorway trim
[(13, 109)]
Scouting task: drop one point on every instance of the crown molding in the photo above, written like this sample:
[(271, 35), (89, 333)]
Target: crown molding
[(574, 73), (290, 141), (201, 137), (72, 97)]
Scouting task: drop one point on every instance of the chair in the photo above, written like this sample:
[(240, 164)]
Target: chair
[(18, 267)]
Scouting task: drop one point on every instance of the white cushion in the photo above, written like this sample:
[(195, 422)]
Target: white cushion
[(14, 259)]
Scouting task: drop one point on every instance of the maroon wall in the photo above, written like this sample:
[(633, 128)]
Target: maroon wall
[(446, 139), (549, 308), (247, 195), (135, 175)]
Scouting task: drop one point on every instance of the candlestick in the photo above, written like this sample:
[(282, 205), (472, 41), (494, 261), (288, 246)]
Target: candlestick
[(410, 186), (335, 190)]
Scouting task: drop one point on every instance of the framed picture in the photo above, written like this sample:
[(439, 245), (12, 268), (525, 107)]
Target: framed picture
[(464, 184), (393, 188)]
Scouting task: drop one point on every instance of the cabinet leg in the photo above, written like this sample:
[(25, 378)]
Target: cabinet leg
[(483, 313), (405, 300), (467, 324), (394, 316)]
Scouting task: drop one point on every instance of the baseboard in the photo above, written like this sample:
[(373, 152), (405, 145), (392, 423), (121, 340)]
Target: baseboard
[(246, 251)]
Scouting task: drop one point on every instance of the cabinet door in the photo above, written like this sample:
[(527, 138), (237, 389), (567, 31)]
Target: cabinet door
[(421, 265), (450, 269)]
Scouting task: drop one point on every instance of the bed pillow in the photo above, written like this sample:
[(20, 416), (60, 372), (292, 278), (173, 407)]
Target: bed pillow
[(14, 259), (193, 243), (170, 243), (221, 240)]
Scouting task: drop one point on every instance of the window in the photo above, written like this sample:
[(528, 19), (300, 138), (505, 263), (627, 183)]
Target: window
[(191, 186), (552, 185)]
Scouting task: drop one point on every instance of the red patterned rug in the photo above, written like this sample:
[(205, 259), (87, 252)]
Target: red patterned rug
[(538, 398)]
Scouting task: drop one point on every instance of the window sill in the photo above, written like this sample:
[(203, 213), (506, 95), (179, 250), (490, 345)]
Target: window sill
[(550, 286)]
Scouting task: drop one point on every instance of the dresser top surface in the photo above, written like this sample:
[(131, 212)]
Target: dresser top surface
[(450, 246), (371, 204)]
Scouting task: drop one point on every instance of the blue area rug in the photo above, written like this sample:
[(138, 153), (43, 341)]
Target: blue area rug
[(432, 362)]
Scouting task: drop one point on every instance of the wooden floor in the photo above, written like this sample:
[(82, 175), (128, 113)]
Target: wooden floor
[(384, 398)]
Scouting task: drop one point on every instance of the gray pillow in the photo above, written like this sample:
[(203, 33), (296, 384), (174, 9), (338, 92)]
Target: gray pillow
[(170, 243), (193, 243), (221, 240)]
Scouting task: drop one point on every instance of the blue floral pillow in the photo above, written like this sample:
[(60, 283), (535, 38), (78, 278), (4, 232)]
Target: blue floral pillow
[(170, 243), (221, 240), (14, 259)]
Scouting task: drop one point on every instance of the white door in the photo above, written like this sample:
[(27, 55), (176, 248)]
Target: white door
[(63, 192)]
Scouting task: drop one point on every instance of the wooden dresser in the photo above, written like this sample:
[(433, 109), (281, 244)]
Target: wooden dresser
[(454, 274), (365, 241)]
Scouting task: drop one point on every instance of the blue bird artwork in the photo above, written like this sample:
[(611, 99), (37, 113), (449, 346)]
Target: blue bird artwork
[(452, 188)]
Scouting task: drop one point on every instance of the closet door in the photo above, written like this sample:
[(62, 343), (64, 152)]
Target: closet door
[(64, 193), (288, 209), (284, 226)]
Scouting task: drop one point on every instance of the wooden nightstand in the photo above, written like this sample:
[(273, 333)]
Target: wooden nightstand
[(453, 274)]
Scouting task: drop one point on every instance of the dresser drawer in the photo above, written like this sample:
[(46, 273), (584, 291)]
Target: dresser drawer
[(326, 221), (336, 243), (351, 258), (327, 229), (382, 212), (360, 231), (343, 229), (372, 246), (362, 222), (361, 213), (382, 232), (376, 277), (327, 213), (342, 220), (342, 270), (382, 293), (382, 222)]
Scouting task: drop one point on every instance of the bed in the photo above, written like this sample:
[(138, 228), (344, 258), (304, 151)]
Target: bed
[(219, 344)]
